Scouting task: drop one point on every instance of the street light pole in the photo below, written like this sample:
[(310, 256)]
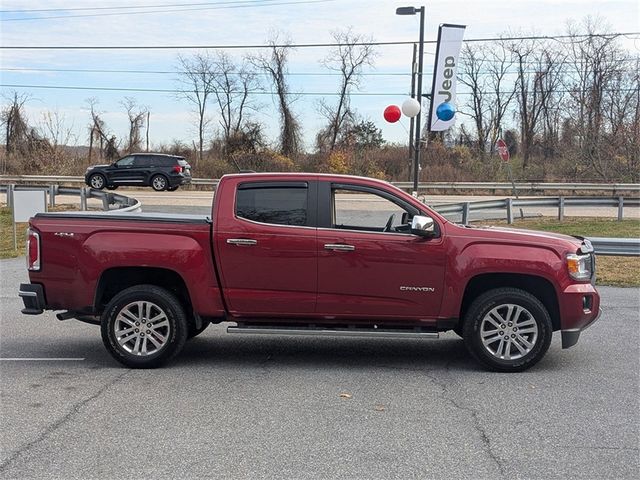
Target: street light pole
[(416, 148)]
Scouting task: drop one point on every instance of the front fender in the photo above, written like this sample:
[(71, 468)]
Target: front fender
[(482, 257)]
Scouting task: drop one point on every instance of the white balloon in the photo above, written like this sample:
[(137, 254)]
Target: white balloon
[(411, 107)]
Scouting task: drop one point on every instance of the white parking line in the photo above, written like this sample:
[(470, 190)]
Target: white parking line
[(41, 359)]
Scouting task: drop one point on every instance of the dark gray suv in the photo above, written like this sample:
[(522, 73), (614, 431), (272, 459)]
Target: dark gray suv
[(157, 170)]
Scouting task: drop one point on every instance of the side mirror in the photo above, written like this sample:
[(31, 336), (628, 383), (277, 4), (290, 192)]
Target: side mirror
[(423, 226)]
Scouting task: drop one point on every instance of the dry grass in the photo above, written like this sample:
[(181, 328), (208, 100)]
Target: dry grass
[(618, 271), (6, 232)]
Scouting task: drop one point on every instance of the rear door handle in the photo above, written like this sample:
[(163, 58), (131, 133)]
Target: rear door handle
[(242, 241), (340, 247)]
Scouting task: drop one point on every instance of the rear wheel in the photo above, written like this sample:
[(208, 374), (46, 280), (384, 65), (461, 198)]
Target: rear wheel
[(97, 181), (507, 329), (159, 183), (144, 326)]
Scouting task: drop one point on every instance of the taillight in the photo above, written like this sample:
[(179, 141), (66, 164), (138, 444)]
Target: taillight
[(177, 169), (33, 250)]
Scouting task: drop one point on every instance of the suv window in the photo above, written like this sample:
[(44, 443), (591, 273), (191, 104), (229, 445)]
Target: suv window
[(144, 161), (163, 161), (126, 161), (281, 205), (367, 211)]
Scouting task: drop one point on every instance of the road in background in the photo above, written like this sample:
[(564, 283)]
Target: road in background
[(271, 407), (199, 202)]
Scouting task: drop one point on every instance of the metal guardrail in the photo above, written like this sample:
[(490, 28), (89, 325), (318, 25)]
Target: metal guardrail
[(602, 246), (612, 188), (120, 203), (616, 246), (509, 204)]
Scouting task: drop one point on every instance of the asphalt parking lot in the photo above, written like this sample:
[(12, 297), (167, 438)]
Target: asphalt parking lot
[(271, 407)]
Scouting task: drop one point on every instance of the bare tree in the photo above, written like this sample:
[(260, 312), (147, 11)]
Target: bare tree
[(98, 133), (472, 75), (196, 84), (233, 86), (485, 71), (136, 115), (54, 128), (502, 91), (597, 58), (275, 65), (352, 54), (538, 78), (16, 129)]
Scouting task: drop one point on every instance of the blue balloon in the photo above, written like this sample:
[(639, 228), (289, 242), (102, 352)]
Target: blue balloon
[(445, 111)]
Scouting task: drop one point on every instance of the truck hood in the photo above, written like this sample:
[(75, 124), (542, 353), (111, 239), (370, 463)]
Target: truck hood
[(529, 237)]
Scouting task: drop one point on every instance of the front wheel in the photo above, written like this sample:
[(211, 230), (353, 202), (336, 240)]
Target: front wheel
[(144, 326), (159, 183), (507, 329)]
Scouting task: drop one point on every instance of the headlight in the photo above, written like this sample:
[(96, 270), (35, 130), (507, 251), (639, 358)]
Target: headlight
[(579, 266)]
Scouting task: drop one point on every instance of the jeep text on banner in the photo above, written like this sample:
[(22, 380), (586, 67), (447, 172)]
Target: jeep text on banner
[(444, 73)]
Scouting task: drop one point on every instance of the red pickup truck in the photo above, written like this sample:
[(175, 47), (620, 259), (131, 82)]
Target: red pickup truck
[(310, 254)]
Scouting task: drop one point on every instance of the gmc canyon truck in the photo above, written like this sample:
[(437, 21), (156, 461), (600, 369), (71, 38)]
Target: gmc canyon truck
[(310, 254)]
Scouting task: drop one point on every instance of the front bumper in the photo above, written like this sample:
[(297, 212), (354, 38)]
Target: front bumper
[(32, 295), (570, 336)]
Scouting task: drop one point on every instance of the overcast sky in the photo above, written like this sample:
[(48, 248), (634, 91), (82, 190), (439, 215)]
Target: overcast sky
[(226, 22)]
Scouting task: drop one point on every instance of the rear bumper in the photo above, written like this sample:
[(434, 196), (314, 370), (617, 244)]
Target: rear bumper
[(176, 180), (32, 295)]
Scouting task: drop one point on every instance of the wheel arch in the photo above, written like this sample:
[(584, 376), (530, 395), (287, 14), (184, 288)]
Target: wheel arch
[(539, 287), (114, 280)]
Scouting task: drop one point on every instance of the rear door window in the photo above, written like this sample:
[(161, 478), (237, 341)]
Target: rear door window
[(279, 204)]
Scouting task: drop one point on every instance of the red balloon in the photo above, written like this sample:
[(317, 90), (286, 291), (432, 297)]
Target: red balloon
[(392, 113)]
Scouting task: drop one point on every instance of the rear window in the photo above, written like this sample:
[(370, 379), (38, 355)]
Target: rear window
[(280, 205)]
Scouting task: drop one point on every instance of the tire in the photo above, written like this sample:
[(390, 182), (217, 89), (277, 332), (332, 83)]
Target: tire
[(516, 314), (156, 345), (97, 181), (112, 187), (194, 332), (159, 183)]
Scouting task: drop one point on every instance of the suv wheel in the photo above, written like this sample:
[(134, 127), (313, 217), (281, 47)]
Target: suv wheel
[(507, 329), (159, 183), (144, 326), (97, 181)]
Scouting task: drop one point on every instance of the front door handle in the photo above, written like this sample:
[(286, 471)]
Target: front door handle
[(242, 241), (340, 247)]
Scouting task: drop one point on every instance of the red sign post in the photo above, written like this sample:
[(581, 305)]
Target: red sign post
[(503, 150)]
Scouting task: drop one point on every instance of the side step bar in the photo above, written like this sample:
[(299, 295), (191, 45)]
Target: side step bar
[(333, 332)]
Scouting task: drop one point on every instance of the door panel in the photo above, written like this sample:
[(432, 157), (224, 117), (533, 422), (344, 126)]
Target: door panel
[(276, 275), (366, 281), (381, 270), (268, 260)]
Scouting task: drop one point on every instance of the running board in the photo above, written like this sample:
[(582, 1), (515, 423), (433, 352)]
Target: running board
[(334, 332)]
